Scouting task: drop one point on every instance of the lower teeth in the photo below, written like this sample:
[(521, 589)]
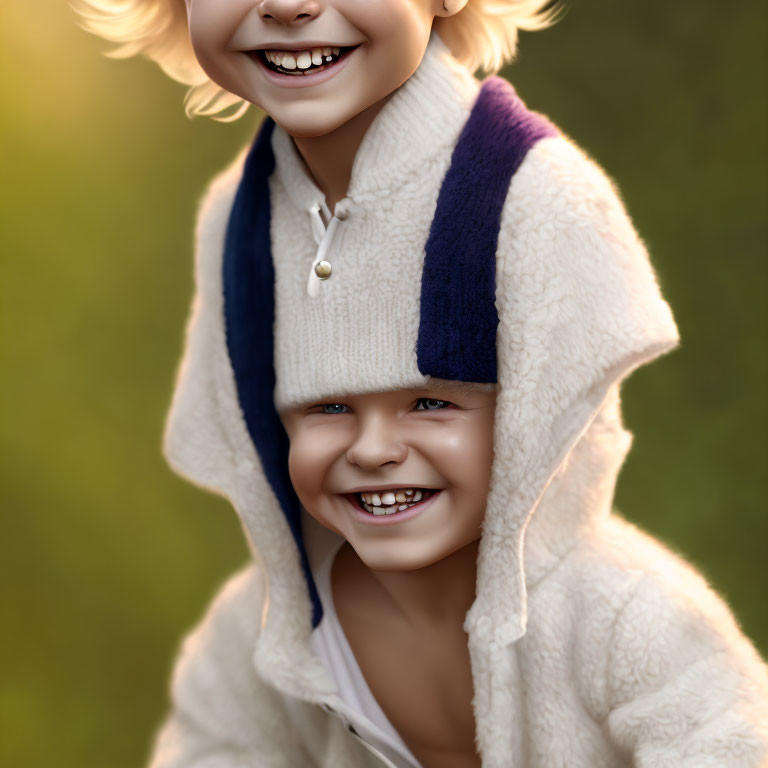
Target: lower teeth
[(301, 71), (388, 510)]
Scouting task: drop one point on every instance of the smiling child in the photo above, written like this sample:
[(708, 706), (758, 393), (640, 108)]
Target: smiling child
[(402, 477), (416, 302)]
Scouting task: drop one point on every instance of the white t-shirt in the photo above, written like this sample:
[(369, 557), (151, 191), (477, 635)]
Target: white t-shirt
[(330, 643)]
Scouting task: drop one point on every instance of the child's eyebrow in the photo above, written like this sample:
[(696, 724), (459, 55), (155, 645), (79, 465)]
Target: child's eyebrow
[(442, 388)]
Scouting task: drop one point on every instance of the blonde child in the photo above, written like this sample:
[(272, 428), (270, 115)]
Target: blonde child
[(416, 301)]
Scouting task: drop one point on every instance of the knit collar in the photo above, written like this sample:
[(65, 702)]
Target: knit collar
[(421, 120)]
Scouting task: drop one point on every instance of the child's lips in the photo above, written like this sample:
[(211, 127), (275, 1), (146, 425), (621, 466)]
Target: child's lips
[(396, 517), (302, 81)]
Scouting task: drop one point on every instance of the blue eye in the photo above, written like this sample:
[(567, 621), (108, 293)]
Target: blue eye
[(333, 408), (430, 404)]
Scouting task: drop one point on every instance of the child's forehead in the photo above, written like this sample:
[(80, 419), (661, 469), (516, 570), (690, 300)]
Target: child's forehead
[(460, 386), (443, 388)]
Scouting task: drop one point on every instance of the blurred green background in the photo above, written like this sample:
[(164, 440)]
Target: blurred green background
[(107, 558)]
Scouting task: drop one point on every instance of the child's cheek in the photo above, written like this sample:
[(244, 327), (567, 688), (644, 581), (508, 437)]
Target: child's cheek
[(462, 450), (312, 454), (211, 27), (304, 465)]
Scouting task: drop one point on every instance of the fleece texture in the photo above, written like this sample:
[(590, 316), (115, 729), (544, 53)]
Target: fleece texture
[(591, 644)]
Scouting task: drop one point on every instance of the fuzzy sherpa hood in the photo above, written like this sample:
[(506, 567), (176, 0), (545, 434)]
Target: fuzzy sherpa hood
[(578, 308)]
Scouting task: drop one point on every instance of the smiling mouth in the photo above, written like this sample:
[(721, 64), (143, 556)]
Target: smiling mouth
[(300, 63), (391, 501)]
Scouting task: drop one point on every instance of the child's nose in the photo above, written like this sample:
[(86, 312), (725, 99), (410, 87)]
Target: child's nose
[(375, 445), (292, 12)]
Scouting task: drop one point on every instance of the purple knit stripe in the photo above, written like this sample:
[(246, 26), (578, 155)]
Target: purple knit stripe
[(457, 331)]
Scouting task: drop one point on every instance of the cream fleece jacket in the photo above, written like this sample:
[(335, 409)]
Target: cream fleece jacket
[(591, 644)]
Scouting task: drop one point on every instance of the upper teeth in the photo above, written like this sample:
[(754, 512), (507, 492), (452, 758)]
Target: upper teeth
[(301, 59), (390, 497)]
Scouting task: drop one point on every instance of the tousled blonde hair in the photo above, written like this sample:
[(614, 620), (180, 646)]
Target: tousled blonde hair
[(483, 35)]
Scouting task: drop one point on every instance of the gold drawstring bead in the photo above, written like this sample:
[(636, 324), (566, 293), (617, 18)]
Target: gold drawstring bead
[(323, 269)]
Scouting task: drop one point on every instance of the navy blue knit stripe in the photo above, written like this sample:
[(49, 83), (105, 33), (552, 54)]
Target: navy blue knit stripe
[(457, 330), (249, 310)]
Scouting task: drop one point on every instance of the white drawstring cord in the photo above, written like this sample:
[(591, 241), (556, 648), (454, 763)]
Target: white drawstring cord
[(323, 237), (318, 226)]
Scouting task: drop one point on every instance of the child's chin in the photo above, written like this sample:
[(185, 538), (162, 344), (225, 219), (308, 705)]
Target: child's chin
[(389, 557), (306, 123), (318, 114)]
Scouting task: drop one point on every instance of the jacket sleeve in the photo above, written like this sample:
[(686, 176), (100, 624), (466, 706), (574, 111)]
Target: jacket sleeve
[(222, 714), (688, 689)]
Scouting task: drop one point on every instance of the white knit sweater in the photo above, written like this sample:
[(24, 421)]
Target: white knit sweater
[(591, 644)]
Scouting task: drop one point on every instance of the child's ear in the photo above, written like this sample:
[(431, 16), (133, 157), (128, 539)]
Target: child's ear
[(446, 8)]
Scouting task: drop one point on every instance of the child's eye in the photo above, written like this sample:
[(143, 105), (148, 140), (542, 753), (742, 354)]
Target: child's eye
[(334, 408), (431, 404)]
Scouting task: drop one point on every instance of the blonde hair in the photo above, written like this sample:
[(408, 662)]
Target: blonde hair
[(483, 35)]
